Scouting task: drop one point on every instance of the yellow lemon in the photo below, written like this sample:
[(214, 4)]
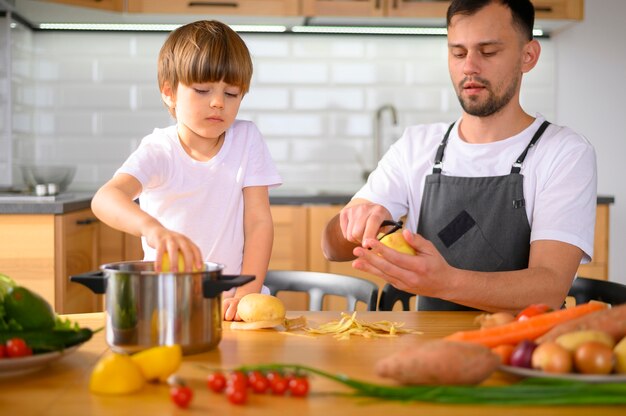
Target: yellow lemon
[(397, 242), (116, 374), (165, 263), (159, 362)]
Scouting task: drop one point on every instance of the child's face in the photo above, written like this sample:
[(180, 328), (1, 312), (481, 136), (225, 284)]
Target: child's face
[(208, 109)]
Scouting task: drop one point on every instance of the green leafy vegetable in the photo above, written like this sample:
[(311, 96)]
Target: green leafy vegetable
[(532, 391)]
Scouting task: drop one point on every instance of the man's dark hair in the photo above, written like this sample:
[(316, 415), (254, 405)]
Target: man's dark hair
[(522, 10)]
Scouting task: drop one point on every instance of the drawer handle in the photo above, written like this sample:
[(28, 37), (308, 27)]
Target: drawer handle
[(213, 4), (86, 221), (545, 9)]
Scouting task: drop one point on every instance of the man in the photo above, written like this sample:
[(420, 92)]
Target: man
[(502, 202)]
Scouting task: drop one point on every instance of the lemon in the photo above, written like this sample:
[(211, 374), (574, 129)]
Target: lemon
[(116, 374), (159, 362), (397, 242), (165, 263)]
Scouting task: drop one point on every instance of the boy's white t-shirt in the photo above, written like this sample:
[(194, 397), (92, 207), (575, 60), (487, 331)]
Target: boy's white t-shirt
[(202, 200), (560, 180)]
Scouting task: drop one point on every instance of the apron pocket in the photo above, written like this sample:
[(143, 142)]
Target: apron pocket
[(470, 249)]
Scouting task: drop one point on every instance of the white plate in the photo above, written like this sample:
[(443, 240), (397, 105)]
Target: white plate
[(590, 378), (10, 367)]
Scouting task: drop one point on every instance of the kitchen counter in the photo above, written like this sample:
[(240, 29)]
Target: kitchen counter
[(62, 387), (73, 201)]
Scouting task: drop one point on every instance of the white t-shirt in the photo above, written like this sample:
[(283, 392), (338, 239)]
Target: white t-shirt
[(202, 200), (560, 181)]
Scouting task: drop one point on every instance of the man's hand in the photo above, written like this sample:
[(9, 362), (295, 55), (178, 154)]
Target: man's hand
[(425, 273), (362, 221)]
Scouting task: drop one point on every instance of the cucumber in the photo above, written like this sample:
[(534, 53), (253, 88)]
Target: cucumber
[(49, 340)]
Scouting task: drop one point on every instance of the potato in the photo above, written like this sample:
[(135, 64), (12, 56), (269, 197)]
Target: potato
[(552, 357), (573, 340), (257, 307), (611, 321), (440, 362), (620, 356)]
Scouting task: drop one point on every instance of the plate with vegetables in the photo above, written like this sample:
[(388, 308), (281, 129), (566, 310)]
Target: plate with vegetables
[(31, 334), (589, 378)]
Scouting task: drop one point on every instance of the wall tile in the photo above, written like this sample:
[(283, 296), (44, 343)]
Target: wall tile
[(291, 73), (328, 99)]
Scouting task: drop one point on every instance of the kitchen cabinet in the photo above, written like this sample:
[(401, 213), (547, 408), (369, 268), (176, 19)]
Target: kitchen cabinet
[(545, 9), (289, 251), (219, 7), (110, 5), (41, 251), (598, 268)]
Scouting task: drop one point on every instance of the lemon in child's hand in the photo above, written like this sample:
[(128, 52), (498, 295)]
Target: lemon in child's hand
[(159, 362), (166, 264), (397, 242), (116, 374)]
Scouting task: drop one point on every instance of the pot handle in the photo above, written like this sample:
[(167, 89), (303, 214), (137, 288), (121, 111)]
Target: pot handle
[(214, 288), (93, 280)]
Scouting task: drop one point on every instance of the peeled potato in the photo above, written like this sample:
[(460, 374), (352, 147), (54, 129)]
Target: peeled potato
[(260, 311)]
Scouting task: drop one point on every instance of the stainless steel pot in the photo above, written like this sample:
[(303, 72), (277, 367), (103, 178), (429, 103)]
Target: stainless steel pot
[(145, 308)]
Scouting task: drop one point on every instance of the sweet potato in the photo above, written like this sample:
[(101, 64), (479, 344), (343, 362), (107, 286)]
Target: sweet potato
[(440, 362), (611, 321)]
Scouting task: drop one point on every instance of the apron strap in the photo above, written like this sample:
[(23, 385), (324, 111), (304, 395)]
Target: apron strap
[(517, 166), (440, 150)]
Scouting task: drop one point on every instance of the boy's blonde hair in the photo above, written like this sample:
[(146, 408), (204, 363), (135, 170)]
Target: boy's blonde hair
[(204, 51)]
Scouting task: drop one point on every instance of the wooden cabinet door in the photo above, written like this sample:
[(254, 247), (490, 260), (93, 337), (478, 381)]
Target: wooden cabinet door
[(598, 268), (27, 252), (418, 8), (217, 7), (76, 251), (347, 8), (289, 251), (559, 9), (112, 5)]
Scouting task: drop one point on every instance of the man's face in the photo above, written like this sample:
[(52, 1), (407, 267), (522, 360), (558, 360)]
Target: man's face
[(485, 54)]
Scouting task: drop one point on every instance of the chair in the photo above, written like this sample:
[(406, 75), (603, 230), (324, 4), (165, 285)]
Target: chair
[(318, 285), (390, 295), (585, 289)]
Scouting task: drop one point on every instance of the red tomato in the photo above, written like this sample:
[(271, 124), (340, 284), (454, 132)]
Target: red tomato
[(216, 381), (278, 385), (299, 386), (533, 310), (181, 396), (3, 351), (16, 347), (258, 382), (237, 378), (236, 394)]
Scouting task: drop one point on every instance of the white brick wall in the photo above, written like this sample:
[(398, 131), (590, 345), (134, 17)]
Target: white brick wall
[(313, 97)]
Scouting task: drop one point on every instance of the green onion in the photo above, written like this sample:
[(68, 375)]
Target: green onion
[(532, 391)]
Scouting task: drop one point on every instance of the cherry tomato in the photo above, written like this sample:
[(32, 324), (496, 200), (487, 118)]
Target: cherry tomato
[(278, 385), (236, 394), (216, 381), (299, 386), (3, 351), (237, 378), (258, 382), (532, 310), (16, 347), (181, 396), (594, 357)]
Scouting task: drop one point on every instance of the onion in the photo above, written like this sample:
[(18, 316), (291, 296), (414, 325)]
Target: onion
[(523, 353)]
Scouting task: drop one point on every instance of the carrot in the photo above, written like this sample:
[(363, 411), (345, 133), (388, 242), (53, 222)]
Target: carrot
[(530, 329)]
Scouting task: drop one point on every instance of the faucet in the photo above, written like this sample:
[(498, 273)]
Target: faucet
[(378, 138)]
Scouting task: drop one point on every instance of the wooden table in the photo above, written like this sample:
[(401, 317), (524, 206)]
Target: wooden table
[(61, 388)]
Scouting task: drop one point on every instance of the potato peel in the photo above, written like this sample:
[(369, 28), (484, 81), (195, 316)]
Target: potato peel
[(349, 325)]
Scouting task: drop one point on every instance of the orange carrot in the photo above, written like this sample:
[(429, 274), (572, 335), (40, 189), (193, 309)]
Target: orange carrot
[(530, 329)]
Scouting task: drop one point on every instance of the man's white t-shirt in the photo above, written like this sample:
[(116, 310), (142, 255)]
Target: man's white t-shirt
[(202, 200), (560, 180)]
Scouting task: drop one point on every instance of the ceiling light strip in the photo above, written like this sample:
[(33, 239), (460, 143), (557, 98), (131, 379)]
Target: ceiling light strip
[(351, 30)]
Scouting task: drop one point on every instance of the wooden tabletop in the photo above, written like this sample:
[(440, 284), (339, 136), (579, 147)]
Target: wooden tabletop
[(62, 387)]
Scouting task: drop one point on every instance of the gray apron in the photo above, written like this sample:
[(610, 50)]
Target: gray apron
[(476, 223)]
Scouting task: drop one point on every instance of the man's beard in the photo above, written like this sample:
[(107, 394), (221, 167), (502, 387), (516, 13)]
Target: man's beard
[(492, 105)]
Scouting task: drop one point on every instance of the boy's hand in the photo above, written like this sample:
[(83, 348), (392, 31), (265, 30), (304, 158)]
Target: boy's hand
[(229, 306), (164, 240)]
